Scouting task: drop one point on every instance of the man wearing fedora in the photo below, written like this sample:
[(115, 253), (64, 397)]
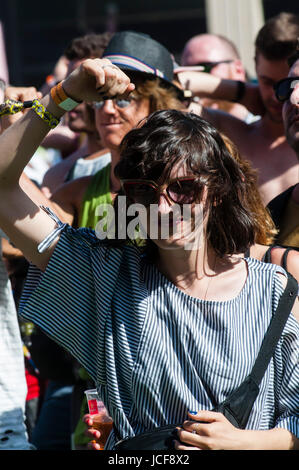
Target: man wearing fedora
[(150, 67)]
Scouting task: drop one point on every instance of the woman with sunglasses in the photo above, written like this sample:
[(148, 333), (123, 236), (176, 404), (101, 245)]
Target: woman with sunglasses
[(170, 160), (168, 333)]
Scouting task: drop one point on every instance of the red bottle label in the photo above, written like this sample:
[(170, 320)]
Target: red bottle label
[(93, 407)]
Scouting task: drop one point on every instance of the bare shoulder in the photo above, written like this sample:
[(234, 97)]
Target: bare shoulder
[(72, 191), (277, 253), (225, 122)]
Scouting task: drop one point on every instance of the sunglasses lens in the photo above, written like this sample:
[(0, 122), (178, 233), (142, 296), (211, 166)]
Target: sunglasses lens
[(182, 191), (284, 88), (98, 104), (208, 68), (122, 103), (141, 193)]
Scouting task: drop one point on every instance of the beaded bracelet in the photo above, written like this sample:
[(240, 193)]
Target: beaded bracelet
[(13, 107)]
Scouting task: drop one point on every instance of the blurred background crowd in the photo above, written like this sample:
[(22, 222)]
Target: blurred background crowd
[(39, 45)]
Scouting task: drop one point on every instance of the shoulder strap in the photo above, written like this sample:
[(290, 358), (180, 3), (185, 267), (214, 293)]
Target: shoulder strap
[(267, 256), (284, 258), (238, 405), (275, 329)]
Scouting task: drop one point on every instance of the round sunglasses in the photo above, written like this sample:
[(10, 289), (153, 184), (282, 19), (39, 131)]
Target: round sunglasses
[(118, 102), (181, 191), (283, 89)]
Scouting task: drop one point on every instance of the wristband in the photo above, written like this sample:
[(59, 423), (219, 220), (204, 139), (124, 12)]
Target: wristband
[(45, 115), (241, 88), (61, 99), (13, 107)]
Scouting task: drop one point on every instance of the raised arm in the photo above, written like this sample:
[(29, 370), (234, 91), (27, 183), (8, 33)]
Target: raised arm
[(21, 219), (205, 85)]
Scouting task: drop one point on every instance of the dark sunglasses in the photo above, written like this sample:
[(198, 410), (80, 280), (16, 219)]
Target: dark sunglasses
[(283, 89), (146, 192), (208, 66)]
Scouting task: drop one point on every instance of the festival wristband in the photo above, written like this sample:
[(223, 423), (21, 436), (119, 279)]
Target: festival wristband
[(61, 99)]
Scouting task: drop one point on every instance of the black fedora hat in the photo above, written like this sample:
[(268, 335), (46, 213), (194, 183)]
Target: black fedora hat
[(138, 52)]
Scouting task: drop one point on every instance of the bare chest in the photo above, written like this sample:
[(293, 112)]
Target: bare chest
[(275, 161)]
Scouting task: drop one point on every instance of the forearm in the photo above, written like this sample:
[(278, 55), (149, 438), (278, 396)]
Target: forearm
[(19, 142), (206, 85), (35, 194), (272, 439)]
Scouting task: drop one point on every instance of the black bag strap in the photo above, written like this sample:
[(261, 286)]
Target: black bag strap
[(238, 405), (267, 256), (275, 329), (284, 258)]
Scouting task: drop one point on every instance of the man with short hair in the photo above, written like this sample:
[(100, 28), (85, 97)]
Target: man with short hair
[(218, 56), (285, 207), (263, 142)]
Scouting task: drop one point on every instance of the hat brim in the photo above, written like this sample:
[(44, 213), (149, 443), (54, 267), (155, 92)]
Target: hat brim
[(132, 64)]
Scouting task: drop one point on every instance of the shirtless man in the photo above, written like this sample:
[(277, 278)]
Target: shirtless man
[(285, 207), (219, 57), (263, 142)]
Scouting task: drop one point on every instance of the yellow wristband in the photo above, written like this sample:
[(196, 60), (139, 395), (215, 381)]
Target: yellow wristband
[(45, 115)]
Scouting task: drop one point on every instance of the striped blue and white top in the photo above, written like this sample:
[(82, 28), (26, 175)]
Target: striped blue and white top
[(153, 351)]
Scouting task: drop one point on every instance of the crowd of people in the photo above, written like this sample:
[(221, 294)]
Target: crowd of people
[(165, 327)]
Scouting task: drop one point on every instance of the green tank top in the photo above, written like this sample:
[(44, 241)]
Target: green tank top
[(97, 193)]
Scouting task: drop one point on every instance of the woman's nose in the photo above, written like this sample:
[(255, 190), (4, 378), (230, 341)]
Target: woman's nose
[(164, 204)]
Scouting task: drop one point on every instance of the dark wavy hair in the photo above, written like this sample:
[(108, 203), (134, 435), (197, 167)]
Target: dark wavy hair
[(172, 139), (90, 45)]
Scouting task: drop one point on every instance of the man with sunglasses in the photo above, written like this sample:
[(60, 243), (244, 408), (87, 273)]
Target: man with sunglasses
[(263, 142), (218, 56), (285, 207)]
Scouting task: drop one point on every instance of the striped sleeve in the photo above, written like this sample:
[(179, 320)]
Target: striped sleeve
[(288, 389), (286, 361), (62, 300)]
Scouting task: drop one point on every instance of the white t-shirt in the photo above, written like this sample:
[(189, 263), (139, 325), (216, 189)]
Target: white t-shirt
[(13, 387), (85, 167)]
